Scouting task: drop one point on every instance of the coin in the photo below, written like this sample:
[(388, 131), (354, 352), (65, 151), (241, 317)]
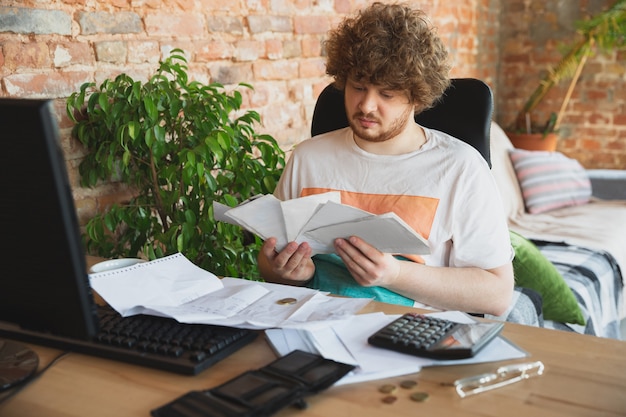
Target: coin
[(286, 301), (389, 399), (387, 388), (419, 396), (409, 383)]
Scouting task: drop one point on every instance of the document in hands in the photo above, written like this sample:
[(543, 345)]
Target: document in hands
[(318, 220)]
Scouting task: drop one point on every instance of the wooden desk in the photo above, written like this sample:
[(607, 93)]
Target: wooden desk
[(584, 376)]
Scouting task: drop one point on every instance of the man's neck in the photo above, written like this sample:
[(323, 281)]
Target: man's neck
[(409, 140)]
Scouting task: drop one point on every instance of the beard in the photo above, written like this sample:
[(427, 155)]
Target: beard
[(369, 135)]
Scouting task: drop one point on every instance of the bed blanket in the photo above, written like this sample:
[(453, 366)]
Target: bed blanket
[(595, 279)]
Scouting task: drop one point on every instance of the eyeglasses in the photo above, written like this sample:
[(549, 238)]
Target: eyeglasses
[(503, 376)]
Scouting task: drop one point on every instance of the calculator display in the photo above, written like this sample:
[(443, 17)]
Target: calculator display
[(465, 336)]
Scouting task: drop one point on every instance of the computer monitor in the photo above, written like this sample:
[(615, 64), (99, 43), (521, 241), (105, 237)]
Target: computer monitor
[(44, 285)]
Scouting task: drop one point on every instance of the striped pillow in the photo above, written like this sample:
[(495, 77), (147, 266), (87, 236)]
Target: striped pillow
[(550, 180)]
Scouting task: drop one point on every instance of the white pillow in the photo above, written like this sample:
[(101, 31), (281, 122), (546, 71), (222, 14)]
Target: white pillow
[(550, 180)]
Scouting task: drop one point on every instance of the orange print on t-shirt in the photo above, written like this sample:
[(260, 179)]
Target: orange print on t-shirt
[(417, 211)]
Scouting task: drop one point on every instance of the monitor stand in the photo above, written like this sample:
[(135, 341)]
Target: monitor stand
[(18, 363)]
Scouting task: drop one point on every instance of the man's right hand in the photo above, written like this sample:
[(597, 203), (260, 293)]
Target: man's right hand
[(293, 265)]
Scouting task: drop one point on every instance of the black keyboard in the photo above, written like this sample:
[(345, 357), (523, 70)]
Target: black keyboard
[(155, 342), (167, 344), (433, 337)]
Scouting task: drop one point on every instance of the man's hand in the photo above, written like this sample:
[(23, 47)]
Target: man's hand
[(368, 266), (292, 265)]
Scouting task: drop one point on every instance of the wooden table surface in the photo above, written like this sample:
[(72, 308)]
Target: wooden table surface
[(584, 376)]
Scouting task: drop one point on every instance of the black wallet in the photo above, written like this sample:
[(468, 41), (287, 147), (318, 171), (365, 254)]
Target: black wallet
[(261, 392)]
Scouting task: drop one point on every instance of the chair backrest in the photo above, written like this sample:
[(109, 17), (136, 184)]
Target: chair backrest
[(464, 111)]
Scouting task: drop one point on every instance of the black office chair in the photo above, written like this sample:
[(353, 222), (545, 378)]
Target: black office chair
[(464, 112)]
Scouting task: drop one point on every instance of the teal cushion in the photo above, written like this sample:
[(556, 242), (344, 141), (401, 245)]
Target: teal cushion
[(332, 275), (533, 270)]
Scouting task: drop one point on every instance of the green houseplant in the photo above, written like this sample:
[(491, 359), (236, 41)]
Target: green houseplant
[(178, 145), (604, 32)]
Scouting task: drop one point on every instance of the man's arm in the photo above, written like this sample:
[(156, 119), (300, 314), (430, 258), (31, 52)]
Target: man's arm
[(472, 290)]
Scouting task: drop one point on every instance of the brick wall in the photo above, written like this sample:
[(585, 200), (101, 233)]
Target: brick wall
[(532, 32), (49, 48)]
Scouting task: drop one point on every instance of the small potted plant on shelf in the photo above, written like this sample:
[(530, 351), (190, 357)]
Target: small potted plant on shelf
[(178, 145), (603, 32)]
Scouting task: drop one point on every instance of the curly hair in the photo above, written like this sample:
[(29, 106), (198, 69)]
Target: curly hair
[(390, 45)]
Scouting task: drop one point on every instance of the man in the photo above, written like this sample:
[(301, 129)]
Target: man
[(390, 64)]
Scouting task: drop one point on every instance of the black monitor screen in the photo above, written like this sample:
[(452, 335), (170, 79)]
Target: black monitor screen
[(44, 284)]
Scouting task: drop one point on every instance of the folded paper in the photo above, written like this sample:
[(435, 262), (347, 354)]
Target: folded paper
[(319, 220)]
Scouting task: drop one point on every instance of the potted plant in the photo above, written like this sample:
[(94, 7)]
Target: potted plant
[(604, 32), (178, 145)]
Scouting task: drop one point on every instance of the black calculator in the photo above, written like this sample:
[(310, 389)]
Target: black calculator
[(437, 338)]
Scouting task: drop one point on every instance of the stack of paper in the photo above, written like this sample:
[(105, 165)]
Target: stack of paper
[(174, 287), (320, 219), (346, 341)]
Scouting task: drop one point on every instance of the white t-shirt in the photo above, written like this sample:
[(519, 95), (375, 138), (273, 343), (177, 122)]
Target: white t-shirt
[(444, 190)]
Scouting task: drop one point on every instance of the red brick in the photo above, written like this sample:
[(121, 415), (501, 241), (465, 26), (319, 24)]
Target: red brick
[(273, 49), (86, 209), (590, 144), (26, 55), (311, 24), (312, 68), (342, 6), (72, 53), (215, 50), (595, 95), (143, 51), (209, 6), (180, 24), (249, 50), (53, 85), (114, 52), (119, 194), (599, 118), (311, 47), (275, 70), (616, 145), (619, 119), (261, 95), (318, 87)]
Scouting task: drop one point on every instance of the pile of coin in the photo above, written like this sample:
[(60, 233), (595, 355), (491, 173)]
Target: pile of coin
[(390, 389)]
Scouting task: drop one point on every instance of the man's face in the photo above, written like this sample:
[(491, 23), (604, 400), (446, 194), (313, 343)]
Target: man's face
[(376, 114)]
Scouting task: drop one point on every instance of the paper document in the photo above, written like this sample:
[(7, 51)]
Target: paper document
[(346, 341), (171, 280), (174, 287), (318, 220)]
